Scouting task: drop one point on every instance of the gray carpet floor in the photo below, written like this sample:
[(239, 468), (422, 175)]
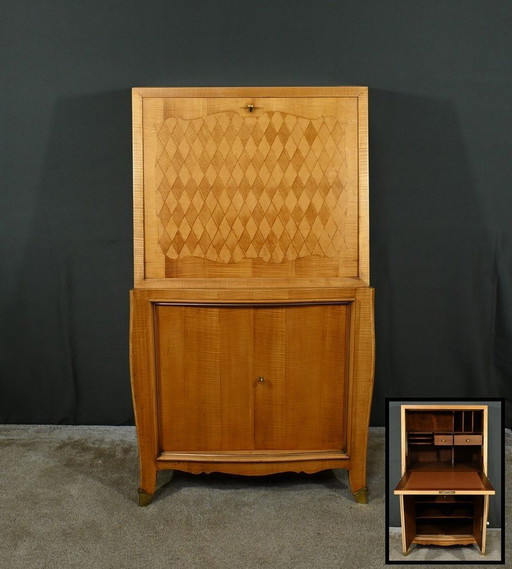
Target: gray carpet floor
[(68, 500)]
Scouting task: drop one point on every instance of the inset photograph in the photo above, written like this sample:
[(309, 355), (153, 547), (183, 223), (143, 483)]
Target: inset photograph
[(445, 477)]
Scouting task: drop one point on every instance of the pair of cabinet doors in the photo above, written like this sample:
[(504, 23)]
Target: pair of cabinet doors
[(261, 377)]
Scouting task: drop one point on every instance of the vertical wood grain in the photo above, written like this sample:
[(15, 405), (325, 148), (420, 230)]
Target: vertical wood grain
[(236, 381), (403, 437), (203, 385), (143, 385), (484, 523), (363, 189), (315, 377), (138, 188), (269, 363), (479, 519), (189, 378), (173, 404), (485, 444), (407, 504), (361, 385)]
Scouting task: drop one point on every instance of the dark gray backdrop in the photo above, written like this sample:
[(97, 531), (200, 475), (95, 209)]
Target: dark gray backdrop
[(440, 120)]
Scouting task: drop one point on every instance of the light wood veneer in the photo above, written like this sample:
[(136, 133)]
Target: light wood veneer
[(252, 334)]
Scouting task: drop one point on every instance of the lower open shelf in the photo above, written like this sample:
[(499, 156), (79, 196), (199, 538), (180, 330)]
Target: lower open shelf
[(446, 527), (444, 520)]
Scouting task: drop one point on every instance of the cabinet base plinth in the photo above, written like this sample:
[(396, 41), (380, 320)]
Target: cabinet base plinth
[(445, 540), (257, 464)]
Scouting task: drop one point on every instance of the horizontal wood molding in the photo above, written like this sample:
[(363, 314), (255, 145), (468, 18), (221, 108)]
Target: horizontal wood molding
[(260, 92), (254, 304), (252, 283), (254, 456)]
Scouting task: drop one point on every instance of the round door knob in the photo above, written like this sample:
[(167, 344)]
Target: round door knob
[(261, 379)]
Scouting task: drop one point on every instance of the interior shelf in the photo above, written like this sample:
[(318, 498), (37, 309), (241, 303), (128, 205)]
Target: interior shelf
[(444, 527), (445, 499), (448, 510), (438, 466)]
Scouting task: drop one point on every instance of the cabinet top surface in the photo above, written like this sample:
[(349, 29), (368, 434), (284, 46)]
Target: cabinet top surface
[(282, 91), (251, 183)]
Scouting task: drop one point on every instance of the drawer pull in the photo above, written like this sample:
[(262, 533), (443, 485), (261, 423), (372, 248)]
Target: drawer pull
[(261, 379), (468, 440), (446, 491)]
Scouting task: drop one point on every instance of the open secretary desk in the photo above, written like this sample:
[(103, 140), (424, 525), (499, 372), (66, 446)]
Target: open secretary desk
[(252, 336), (444, 491)]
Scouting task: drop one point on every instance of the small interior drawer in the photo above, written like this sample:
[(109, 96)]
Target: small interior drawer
[(468, 439), (443, 440)]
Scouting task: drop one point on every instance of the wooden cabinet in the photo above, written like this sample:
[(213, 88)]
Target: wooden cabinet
[(252, 315), (444, 491)]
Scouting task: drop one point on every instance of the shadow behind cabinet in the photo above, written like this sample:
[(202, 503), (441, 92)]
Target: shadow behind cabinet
[(444, 491), (252, 342)]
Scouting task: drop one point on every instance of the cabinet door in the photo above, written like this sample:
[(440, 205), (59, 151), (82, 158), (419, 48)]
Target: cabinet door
[(301, 354), (238, 377)]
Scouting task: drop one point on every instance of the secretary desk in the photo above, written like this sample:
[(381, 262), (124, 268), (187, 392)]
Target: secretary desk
[(252, 335)]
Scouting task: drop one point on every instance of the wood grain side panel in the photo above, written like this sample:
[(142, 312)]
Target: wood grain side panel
[(363, 193), (361, 383), (138, 188), (478, 520), (409, 521), (484, 523), (142, 371)]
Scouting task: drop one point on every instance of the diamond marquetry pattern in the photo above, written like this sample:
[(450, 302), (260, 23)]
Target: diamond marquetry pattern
[(270, 187)]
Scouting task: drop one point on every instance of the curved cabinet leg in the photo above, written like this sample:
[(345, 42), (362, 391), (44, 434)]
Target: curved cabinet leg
[(357, 481), (361, 496), (144, 498), (362, 392), (147, 485)]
